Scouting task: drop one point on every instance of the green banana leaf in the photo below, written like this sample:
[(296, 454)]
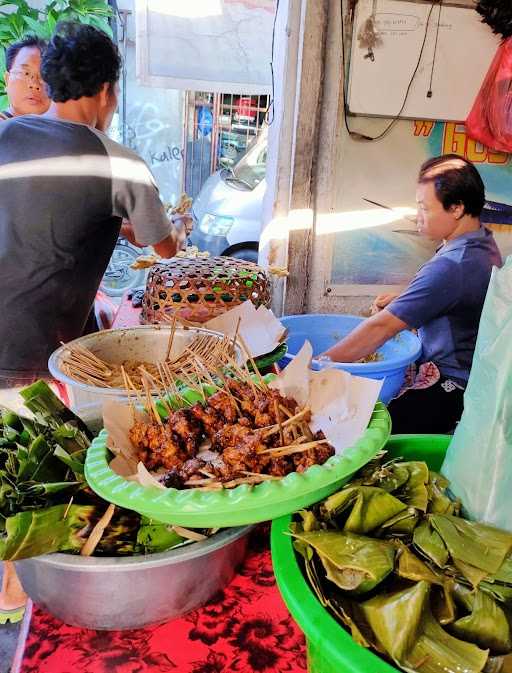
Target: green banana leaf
[(473, 575), (501, 592), (75, 461), (156, 537), (442, 603), (71, 438), (414, 493), (487, 624), (388, 476), (430, 544), (340, 605), (404, 626), (476, 544), (44, 531), (349, 614), (38, 463), (352, 562), (367, 507), (439, 502), (309, 520), (402, 524), (504, 574), (120, 536), (307, 553), (49, 410), (412, 568)]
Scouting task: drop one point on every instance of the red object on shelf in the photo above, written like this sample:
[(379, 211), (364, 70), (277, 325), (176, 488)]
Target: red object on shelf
[(490, 119), (245, 629), (246, 108)]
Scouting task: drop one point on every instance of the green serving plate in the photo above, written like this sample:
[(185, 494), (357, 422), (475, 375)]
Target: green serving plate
[(242, 505)]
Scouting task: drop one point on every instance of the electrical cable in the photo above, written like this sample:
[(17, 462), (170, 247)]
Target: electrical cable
[(429, 92), (361, 136), (271, 102)]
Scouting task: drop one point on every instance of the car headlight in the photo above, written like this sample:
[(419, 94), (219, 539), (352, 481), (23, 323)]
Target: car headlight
[(215, 225)]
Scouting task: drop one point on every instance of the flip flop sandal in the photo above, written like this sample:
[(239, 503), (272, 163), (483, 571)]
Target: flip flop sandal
[(13, 616)]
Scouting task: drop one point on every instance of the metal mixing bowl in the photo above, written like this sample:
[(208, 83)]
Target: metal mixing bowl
[(145, 343), (132, 592)]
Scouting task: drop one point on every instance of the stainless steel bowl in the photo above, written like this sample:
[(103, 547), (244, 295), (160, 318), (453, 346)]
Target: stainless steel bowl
[(132, 592), (145, 343)]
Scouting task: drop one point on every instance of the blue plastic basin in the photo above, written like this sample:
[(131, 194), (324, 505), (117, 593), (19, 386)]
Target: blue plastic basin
[(323, 330)]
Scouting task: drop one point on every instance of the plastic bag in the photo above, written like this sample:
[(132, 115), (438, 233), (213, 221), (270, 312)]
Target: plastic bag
[(490, 119), (479, 459)]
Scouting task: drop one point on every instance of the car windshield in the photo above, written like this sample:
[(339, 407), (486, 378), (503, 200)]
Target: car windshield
[(251, 167)]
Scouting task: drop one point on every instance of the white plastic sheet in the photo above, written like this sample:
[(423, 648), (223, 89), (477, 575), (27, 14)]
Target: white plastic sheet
[(479, 459)]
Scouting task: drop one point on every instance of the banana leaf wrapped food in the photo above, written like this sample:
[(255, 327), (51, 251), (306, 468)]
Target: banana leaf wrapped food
[(45, 503), (391, 557)]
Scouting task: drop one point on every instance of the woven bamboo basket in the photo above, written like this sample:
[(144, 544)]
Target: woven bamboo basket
[(198, 289)]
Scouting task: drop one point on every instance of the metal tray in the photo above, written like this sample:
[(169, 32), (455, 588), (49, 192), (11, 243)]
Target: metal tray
[(134, 591)]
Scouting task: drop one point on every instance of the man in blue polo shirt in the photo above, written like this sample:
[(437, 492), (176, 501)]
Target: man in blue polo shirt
[(444, 300)]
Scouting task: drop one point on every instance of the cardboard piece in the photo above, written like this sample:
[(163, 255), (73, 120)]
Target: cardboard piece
[(259, 328)]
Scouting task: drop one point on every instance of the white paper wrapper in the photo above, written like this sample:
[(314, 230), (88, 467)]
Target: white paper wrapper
[(259, 328), (341, 404)]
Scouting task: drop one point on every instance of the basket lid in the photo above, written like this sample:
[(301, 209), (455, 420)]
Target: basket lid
[(201, 288)]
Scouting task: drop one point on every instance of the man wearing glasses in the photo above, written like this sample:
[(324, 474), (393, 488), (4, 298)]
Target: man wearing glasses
[(25, 89), (27, 95)]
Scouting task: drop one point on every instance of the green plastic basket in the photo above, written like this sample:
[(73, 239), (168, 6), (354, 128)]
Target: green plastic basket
[(241, 505), (331, 648)]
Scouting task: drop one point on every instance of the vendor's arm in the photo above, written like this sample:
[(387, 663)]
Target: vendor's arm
[(367, 337), (137, 200), (433, 292)]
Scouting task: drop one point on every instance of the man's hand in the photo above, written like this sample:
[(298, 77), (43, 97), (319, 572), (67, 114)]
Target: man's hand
[(381, 301), (186, 220), (128, 232), (168, 247)]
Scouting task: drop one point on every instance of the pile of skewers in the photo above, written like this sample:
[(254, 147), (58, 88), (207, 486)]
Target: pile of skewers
[(84, 366), (240, 431)]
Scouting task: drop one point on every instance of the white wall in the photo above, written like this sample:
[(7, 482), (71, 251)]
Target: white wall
[(154, 122)]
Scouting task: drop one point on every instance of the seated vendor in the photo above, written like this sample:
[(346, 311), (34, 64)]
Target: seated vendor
[(443, 302)]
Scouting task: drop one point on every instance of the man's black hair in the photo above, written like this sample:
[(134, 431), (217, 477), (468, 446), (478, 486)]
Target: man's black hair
[(78, 61), (14, 49), (456, 182)]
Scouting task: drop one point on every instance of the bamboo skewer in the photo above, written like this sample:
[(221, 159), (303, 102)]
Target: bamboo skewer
[(253, 363), (97, 532), (293, 448), (151, 406), (171, 339), (276, 409), (289, 421), (134, 389), (68, 507)]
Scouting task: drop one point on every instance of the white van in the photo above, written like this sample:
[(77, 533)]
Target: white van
[(227, 210)]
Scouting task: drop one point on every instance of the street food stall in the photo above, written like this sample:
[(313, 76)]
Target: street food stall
[(137, 487)]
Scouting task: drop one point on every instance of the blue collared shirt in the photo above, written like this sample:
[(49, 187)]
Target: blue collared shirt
[(444, 301)]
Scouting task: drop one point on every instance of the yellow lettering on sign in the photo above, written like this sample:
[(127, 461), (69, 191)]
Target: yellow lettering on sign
[(456, 141), (475, 151), (495, 157), (423, 128)]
